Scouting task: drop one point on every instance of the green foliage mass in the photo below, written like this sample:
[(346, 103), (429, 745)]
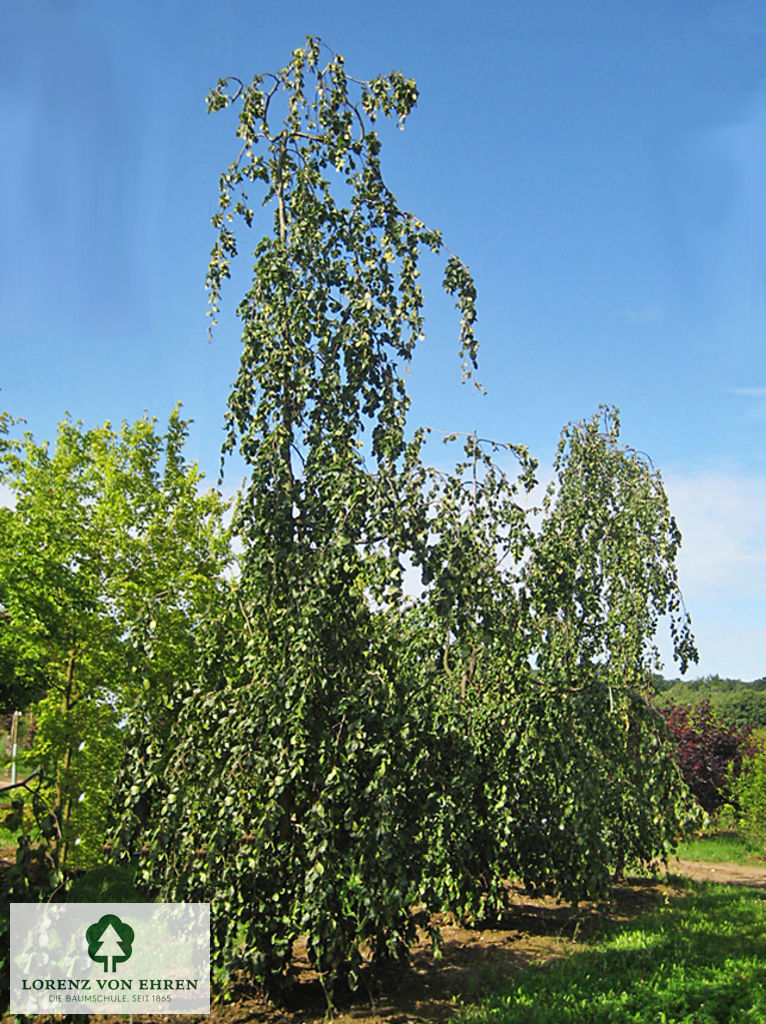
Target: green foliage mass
[(109, 560), (749, 792), (304, 745), (347, 760)]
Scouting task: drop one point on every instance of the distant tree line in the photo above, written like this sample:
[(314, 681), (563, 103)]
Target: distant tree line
[(736, 703)]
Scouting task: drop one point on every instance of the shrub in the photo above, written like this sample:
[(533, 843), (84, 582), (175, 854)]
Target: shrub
[(708, 752), (749, 790)]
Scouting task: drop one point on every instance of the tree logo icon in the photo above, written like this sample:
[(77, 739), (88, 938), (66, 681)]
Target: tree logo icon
[(110, 939)]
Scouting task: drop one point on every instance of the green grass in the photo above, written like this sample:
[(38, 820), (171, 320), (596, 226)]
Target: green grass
[(25, 764), (724, 847), (699, 960), (7, 838)]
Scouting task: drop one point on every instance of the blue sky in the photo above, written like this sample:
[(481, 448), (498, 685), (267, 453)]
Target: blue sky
[(601, 167)]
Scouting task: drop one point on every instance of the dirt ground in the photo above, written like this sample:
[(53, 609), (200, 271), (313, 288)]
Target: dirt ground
[(530, 932), (735, 874)]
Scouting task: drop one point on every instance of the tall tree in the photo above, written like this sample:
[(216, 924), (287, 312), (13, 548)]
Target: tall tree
[(334, 309), (348, 755), (318, 762)]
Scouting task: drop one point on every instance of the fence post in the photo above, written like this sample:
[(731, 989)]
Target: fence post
[(14, 743)]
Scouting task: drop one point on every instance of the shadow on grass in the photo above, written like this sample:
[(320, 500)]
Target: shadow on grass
[(700, 960)]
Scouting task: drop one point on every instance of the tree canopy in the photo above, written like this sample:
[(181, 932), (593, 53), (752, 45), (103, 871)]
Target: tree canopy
[(109, 561)]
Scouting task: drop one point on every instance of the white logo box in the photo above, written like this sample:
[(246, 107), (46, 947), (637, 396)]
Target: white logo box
[(122, 958)]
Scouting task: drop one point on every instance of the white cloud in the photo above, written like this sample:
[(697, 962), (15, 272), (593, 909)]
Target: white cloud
[(722, 570), (731, 640), (645, 315), (748, 392), (723, 521)]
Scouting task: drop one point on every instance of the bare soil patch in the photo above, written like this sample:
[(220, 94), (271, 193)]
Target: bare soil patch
[(732, 874)]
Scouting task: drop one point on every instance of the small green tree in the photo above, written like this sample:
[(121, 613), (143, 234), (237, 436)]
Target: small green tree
[(108, 562), (19, 684), (604, 570)]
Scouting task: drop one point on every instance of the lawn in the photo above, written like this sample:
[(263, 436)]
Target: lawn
[(698, 960), (724, 848)]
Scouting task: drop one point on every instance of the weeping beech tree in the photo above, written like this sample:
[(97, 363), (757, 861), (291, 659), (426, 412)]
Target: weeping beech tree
[(322, 740), (347, 760)]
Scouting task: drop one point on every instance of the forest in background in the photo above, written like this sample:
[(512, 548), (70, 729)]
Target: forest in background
[(736, 702)]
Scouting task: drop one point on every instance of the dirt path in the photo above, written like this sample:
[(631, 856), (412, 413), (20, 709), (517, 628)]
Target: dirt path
[(733, 874)]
